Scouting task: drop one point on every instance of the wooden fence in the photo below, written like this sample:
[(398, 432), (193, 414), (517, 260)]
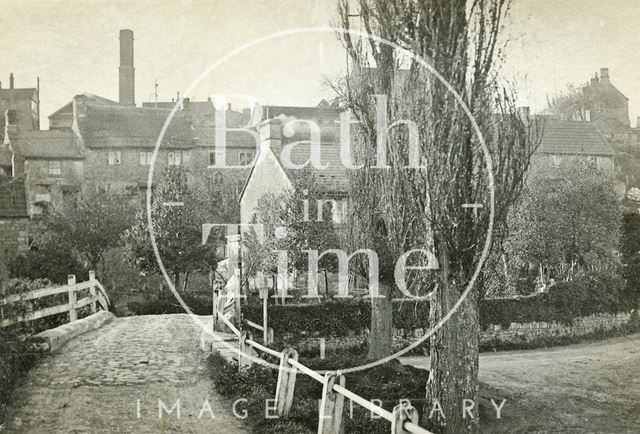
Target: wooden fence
[(97, 298), (403, 418)]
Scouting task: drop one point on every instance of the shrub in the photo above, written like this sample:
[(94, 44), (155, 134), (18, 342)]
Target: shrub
[(21, 286), (389, 383), (50, 260), (563, 302), (336, 318), (166, 303), (17, 356)]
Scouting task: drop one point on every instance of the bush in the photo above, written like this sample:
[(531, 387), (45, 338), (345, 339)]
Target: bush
[(21, 286), (51, 260), (335, 318), (563, 302), (17, 356), (166, 303), (389, 383)]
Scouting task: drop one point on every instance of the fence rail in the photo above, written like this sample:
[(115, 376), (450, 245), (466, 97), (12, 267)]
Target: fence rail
[(403, 418), (97, 297)]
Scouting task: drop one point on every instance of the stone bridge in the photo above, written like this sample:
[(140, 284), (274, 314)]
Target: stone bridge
[(124, 377)]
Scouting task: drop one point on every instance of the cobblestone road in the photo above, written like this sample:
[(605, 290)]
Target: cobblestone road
[(93, 383)]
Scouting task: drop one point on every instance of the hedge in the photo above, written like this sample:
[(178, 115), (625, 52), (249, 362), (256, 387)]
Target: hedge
[(563, 303), (166, 303), (336, 318)]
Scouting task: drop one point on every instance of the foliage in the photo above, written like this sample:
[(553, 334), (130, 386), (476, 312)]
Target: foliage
[(91, 223), (567, 215), (335, 318), (166, 303), (22, 286), (563, 302), (49, 258), (403, 207), (295, 210), (389, 383), (570, 105), (17, 356), (177, 229), (630, 249)]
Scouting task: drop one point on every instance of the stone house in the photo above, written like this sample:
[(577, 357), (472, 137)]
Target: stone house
[(566, 141), (332, 180), (607, 107)]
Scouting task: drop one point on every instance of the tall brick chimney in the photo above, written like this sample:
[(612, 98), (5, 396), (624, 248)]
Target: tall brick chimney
[(127, 71), (604, 75)]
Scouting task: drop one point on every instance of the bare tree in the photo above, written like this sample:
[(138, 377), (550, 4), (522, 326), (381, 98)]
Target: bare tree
[(420, 197)]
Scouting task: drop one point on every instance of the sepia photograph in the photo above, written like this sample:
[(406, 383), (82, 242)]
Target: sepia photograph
[(319, 216)]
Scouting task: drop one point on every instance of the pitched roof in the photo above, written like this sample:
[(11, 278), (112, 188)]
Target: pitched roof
[(125, 126), (13, 197), (52, 144), (206, 137), (23, 93), (572, 137), (68, 108), (333, 178)]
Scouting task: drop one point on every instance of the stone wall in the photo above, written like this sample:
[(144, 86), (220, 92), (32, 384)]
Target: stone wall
[(518, 333), (495, 335)]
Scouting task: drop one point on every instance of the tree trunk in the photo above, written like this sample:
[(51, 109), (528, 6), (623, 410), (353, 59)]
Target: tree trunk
[(176, 281), (326, 284), (453, 376), (381, 336)]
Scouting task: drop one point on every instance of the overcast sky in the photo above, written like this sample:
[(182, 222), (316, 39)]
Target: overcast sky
[(72, 45)]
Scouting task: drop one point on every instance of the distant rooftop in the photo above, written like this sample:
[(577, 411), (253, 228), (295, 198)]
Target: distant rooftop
[(572, 137)]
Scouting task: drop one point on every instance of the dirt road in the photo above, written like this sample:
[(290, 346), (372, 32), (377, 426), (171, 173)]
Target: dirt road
[(584, 388)]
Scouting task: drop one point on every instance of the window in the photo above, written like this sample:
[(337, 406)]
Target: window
[(55, 168), (145, 158), (115, 157), (175, 158), (212, 158), (245, 158), (556, 159)]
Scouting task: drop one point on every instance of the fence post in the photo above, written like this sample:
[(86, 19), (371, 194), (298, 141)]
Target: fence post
[(215, 307), (245, 350), (71, 281), (286, 382), (92, 291), (330, 419), (403, 413), (264, 295)]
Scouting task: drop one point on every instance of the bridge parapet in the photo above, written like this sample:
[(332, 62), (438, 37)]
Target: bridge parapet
[(97, 299)]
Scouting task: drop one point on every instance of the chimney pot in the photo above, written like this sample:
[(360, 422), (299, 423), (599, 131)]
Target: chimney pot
[(11, 81)]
